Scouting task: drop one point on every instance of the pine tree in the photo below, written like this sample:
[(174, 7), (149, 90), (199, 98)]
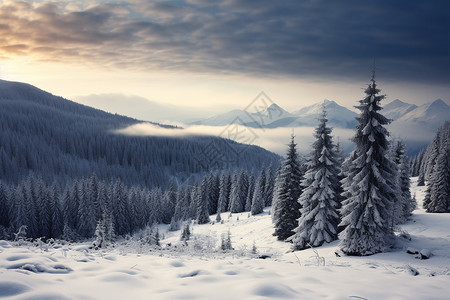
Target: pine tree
[(121, 208), (406, 205), (320, 197), (440, 186), (269, 187), (258, 195), (186, 232), (368, 185), (250, 191), (286, 209), (86, 212), (4, 206), (56, 210), (224, 193), (238, 194), (437, 197), (202, 203)]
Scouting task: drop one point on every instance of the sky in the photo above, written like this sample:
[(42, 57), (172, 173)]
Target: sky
[(212, 56)]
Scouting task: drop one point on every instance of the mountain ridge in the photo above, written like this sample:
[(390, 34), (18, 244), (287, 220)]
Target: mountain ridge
[(62, 140)]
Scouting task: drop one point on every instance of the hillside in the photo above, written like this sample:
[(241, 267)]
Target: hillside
[(201, 271), (62, 140)]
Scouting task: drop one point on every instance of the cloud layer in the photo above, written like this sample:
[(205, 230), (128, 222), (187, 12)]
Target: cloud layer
[(332, 39), (275, 139)]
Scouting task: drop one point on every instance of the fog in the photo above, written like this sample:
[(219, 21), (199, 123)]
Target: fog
[(274, 140)]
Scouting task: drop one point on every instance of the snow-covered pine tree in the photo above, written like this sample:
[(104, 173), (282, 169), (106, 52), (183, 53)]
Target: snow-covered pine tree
[(437, 195), (214, 191), (186, 232), (440, 187), (286, 209), (320, 197), (4, 206), (224, 193), (202, 202), (121, 208), (239, 190), (368, 184), (406, 205), (86, 211), (258, 194), (269, 187), (421, 179), (250, 191), (431, 156), (56, 211)]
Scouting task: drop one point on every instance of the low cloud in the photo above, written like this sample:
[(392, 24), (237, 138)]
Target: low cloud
[(275, 140)]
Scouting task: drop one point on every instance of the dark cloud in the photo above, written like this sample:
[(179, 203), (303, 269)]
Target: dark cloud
[(335, 39)]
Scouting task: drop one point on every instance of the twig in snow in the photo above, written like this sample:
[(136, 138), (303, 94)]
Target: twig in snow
[(298, 260)]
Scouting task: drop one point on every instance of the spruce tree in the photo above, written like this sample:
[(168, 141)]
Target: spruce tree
[(437, 197), (238, 194), (368, 186), (224, 193), (406, 205), (250, 191), (320, 197), (258, 195), (86, 211), (286, 209), (4, 205), (202, 202), (269, 186)]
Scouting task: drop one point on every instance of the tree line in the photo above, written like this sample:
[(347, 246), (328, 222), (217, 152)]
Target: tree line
[(75, 211)]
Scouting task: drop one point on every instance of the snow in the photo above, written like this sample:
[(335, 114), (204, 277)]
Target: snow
[(201, 271)]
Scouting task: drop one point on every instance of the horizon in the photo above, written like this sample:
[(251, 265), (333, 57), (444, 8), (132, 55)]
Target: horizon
[(212, 57)]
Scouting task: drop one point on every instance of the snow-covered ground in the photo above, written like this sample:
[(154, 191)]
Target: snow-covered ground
[(201, 271)]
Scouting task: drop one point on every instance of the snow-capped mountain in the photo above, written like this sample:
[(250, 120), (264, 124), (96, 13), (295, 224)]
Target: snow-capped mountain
[(429, 114), (265, 117), (338, 116), (275, 116), (397, 109)]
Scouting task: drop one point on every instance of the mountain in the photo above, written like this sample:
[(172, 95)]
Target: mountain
[(397, 109), (430, 114), (62, 140), (225, 119), (338, 116), (275, 116), (143, 109)]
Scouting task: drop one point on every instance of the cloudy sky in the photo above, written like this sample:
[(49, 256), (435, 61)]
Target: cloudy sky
[(214, 55)]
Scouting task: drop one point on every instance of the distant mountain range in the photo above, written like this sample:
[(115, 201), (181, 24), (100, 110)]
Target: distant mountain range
[(431, 115), (275, 116)]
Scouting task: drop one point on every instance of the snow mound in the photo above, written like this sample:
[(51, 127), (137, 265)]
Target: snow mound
[(8, 288)]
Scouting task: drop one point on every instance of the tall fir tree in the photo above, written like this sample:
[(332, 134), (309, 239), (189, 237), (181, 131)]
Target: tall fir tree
[(405, 202), (4, 206), (238, 194), (437, 196), (86, 211), (286, 208), (250, 191), (269, 187), (368, 186), (224, 193), (258, 194), (201, 199), (320, 197)]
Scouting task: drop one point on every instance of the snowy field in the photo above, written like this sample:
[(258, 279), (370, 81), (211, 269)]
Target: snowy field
[(202, 271)]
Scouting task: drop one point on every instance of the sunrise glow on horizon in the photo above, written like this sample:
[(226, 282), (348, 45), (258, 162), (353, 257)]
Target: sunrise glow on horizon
[(218, 56)]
